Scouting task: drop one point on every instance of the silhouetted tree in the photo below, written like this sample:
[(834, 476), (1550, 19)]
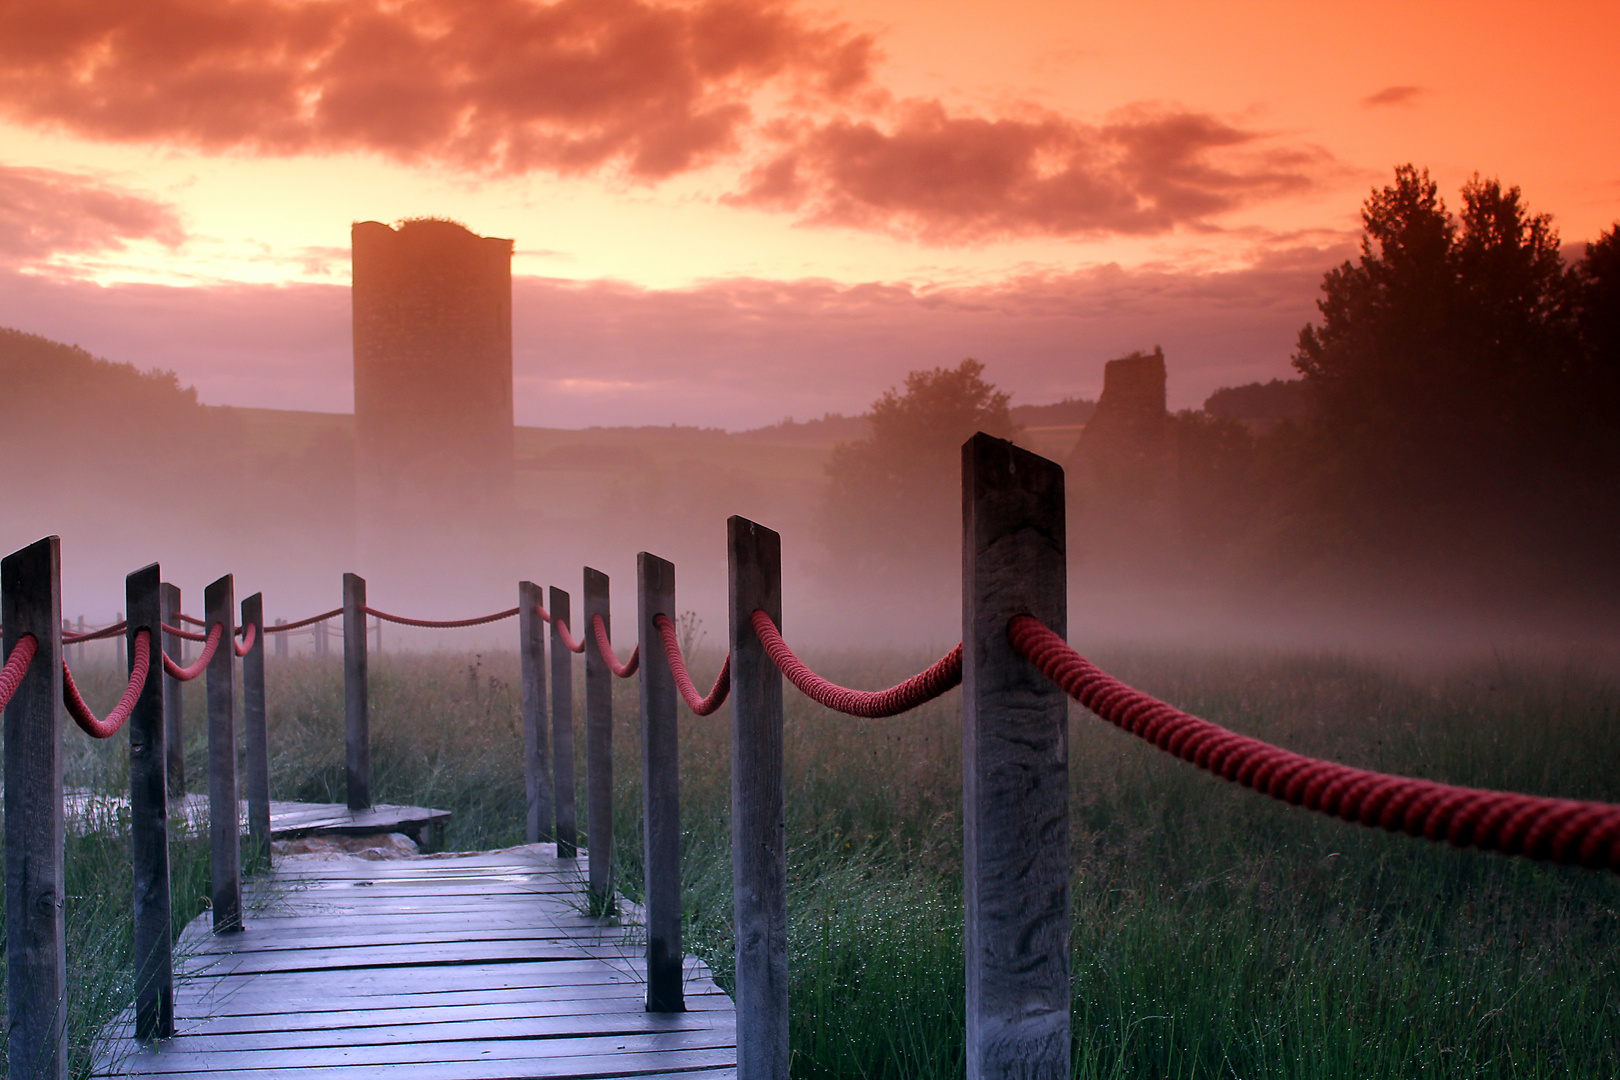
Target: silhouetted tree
[(893, 499), (1450, 407)]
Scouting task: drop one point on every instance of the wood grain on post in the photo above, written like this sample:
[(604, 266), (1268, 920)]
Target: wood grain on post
[(1015, 764), (224, 826), (562, 728), (598, 741), (660, 788), (36, 941), (256, 730), (536, 739), (356, 693), (758, 830), (174, 717), (149, 818)]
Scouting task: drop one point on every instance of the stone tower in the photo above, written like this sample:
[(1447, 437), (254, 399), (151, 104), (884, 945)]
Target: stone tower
[(432, 396)]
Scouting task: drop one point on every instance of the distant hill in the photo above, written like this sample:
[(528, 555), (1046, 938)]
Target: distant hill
[(1259, 403)]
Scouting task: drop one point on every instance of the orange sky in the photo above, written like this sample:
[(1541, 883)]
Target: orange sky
[(697, 190)]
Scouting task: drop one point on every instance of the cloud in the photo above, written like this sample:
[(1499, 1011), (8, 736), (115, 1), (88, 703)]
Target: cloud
[(940, 177), (497, 85), (1394, 95), (735, 354), (44, 212)]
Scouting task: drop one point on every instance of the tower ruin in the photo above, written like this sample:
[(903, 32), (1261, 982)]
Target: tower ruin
[(432, 394)]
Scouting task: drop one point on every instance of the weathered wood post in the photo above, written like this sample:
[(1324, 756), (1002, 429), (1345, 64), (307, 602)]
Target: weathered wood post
[(149, 816), (1015, 767), (281, 641), (562, 728), (536, 740), (36, 941), (758, 829), (224, 828), (598, 741), (118, 643), (660, 787), (174, 717), (256, 729), (78, 650), (378, 629), (356, 693)]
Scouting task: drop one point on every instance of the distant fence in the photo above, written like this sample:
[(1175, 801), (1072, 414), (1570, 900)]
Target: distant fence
[(1017, 674)]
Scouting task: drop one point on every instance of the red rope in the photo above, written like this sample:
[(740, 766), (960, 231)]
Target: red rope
[(683, 681), (96, 635), (562, 631), (451, 624), (605, 647), (105, 729), (873, 704), (301, 623), (181, 616), (185, 634), (199, 665), (1560, 830), (11, 676), (247, 640)]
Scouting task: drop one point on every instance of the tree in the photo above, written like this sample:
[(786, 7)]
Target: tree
[(892, 499), (1449, 403)]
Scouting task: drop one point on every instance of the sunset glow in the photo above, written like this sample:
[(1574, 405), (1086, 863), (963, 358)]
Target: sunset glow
[(728, 212)]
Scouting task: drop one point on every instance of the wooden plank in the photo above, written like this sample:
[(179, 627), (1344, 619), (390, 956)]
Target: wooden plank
[(174, 726), (758, 829), (356, 694), (36, 836), (149, 817), (225, 863), (660, 786), (467, 998), (1015, 768), (598, 738), (537, 773), (256, 734), (562, 728)]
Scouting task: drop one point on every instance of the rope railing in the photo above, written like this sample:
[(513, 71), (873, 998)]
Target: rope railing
[(439, 624), (605, 647), (248, 635), (81, 712), (11, 676), (562, 630), (282, 628), (944, 675), (95, 635), (185, 635), (199, 665), (1564, 831), (193, 620), (701, 706)]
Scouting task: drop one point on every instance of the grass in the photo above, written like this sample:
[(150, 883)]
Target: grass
[(1214, 933)]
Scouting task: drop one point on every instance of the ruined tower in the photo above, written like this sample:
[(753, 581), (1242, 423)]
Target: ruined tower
[(432, 395)]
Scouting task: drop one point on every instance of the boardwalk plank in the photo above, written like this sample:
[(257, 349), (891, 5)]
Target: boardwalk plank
[(476, 967)]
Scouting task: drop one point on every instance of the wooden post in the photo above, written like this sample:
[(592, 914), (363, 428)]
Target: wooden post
[(562, 728), (256, 729), (118, 644), (36, 941), (78, 650), (174, 722), (281, 641), (758, 830), (660, 788), (224, 828), (1015, 767), (356, 693), (319, 632), (536, 741), (149, 817), (598, 742)]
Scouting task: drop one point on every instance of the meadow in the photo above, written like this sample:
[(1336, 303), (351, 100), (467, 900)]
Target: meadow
[(1215, 933)]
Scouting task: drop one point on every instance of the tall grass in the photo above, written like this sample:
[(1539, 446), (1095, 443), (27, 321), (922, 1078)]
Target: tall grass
[(1215, 933)]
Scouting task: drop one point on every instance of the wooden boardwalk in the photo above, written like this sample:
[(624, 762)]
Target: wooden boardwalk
[(450, 967)]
